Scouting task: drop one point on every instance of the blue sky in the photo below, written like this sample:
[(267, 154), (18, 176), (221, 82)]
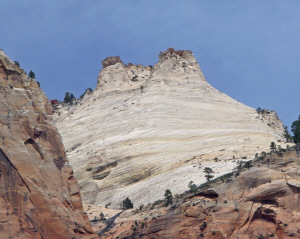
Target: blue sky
[(248, 50)]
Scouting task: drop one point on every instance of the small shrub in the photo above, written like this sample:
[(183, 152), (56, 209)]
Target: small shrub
[(213, 233), (168, 197), (127, 204), (157, 202), (287, 135), (258, 110), (96, 219), (31, 74), (102, 218), (17, 63), (69, 97), (209, 173), (296, 132), (248, 164), (203, 226), (87, 90), (192, 187), (273, 147), (135, 78)]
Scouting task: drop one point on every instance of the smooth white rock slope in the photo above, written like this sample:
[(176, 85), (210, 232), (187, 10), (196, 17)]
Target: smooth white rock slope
[(144, 130)]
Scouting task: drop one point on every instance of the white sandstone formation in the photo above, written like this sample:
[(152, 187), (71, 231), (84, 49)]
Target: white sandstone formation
[(144, 130)]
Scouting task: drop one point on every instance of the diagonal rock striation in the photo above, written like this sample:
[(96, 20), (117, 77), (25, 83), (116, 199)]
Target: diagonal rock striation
[(147, 129)]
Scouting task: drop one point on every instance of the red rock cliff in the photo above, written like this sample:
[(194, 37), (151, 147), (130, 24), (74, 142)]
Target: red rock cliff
[(39, 197)]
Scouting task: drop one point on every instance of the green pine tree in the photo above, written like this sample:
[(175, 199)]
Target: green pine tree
[(168, 197), (273, 147), (286, 134), (209, 173), (127, 204), (17, 63), (31, 74), (296, 131), (192, 187)]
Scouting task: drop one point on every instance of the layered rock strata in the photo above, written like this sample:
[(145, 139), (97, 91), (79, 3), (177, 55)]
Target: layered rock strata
[(147, 129), (256, 202), (39, 196)]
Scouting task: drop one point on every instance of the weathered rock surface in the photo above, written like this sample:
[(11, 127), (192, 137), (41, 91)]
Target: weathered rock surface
[(39, 196), (260, 202), (146, 129)]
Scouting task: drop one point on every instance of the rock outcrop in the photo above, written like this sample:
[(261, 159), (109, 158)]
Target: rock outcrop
[(39, 196), (146, 129), (109, 61), (257, 202)]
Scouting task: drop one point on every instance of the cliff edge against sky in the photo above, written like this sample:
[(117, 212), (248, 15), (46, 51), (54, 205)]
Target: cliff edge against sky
[(147, 129), (39, 196)]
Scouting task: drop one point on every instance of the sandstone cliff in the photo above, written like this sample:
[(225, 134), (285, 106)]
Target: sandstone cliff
[(256, 202), (39, 196), (146, 129)]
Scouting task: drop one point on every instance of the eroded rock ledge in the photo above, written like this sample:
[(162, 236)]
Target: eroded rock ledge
[(261, 201), (109, 61), (115, 75)]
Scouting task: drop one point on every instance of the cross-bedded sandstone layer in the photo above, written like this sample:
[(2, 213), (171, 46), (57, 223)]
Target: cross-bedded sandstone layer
[(148, 129)]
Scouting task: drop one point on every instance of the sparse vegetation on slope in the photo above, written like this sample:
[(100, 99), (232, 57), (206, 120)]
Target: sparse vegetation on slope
[(127, 204), (296, 131), (31, 74)]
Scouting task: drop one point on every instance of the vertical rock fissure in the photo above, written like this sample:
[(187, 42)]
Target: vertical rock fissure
[(4, 161)]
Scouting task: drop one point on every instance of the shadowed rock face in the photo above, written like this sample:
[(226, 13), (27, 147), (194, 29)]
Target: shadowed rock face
[(39, 197), (260, 202), (146, 129)]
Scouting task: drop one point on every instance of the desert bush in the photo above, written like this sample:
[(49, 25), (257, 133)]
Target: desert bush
[(127, 204), (192, 187), (209, 173), (168, 197), (31, 74)]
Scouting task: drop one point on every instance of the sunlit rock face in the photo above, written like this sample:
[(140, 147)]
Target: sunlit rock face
[(261, 201), (147, 129), (39, 196)]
